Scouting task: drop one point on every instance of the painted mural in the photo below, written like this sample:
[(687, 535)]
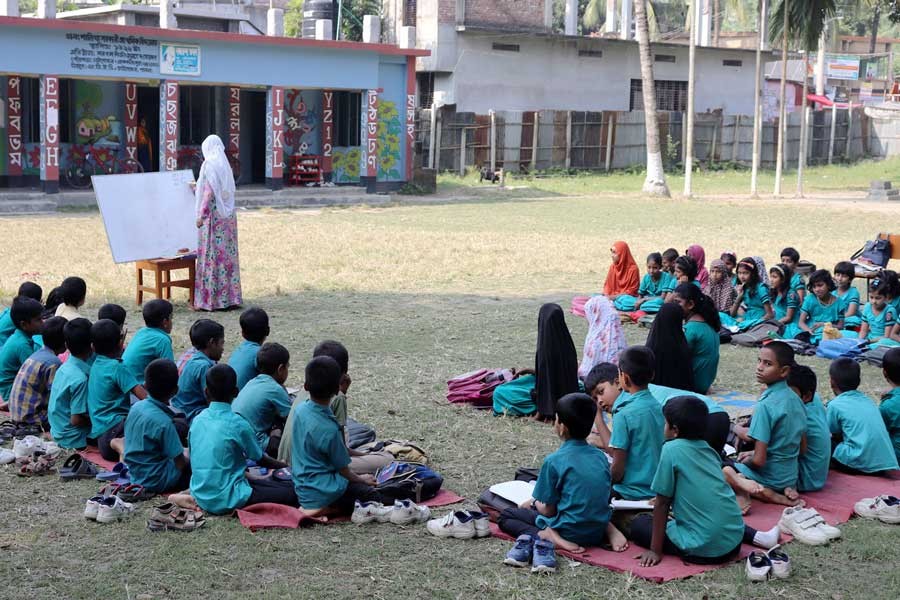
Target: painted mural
[(96, 114), (345, 162), (303, 117), (390, 132)]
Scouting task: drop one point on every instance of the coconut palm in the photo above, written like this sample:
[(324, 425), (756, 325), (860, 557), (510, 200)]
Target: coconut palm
[(655, 182)]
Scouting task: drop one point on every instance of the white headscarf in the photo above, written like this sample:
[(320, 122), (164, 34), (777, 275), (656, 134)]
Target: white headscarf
[(216, 172)]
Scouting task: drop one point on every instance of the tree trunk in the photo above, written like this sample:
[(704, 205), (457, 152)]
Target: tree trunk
[(804, 134), (689, 120), (757, 104), (655, 183), (716, 25), (873, 41), (782, 114)]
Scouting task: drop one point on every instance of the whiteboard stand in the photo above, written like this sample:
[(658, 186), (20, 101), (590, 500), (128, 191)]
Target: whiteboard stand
[(162, 269)]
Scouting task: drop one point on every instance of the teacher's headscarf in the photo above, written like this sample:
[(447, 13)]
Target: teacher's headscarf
[(216, 173)]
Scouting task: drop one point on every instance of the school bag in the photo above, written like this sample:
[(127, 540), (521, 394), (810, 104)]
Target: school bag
[(477, 387), (800, 347), (840, 347), (402, 450), (358, 434), (756, 335), (874, 356), (407, 481), (874, 252)]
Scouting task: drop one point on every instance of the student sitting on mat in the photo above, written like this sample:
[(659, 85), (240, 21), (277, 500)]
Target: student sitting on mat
[(820, 307), (707, 527), (154, 454), (890, 402), (26, 315), (27, 290), (698, 254), (721, 291), (686, 271), (570, 504), (602, 385), (791, 259), (623, 276), (674, 362), (814, 460), (73, 291), (264, 402), (220, 444), (777, 428), (753, 303), (653, 289), (151, 341), (254, 329), (878, 317), (67, 413), (637, 431), (208, 338), (29, 396), (701, 329), (668, 261), (861, 444), (785, 301), (320, 461), (846, 292), (110, 386)]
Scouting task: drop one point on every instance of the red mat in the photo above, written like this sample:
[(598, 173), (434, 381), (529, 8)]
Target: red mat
[(265, 515), (92, 454), (835, 504)]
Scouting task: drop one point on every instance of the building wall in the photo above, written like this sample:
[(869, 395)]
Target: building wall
[(506, 14), (436, 31)]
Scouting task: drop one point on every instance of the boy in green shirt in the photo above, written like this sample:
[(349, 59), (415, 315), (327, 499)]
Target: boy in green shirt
[(152, 341), (70, 423), (254, 329), (208, 338), (27, 290), (264, 402), (890, 402), (26, 316), (815, 459), (861, 441)]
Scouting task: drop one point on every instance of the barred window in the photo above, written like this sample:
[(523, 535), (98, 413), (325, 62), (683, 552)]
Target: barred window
[(670, 95)]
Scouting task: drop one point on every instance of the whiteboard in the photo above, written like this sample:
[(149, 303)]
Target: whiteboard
[(147, 215)]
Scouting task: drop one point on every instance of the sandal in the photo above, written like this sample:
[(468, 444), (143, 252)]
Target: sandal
[(120, 471), (40, 465), (134, 493), (7, 430), (169, 516), (76, 467), (24, 430)]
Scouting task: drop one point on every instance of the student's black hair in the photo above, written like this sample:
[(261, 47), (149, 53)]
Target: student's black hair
[(54, 299), (204, 331), (577, 411), (52, 334), (845, 267), (891, 365), (703, 304), (638, 363), (156, 311), (670, 255), (655, 258), (688, 414), (892, 279), (78, 336), (73, 290), (270, 356), (254, 325), (880, 286), (785, 272), (687, 265), (730, 256), (30, 289), (791, 253), (113, 312), (750, 288), (161, 379), (323, 377), (600, 373), (105, 335), (803, 378), (844, 373), (784, 354), (821, 276), (24, 309), (221, 383), (335, 350)]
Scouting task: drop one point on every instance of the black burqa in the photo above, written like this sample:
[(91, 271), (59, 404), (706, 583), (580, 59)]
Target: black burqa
[(555, 361), (674, 363)]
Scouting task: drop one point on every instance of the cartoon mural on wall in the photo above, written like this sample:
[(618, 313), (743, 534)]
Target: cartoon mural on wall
[(303, 116), (389, 134), (91, 126)]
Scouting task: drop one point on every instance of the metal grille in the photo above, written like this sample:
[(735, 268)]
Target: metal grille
[(409, 15), (426, 89), (670, 95)]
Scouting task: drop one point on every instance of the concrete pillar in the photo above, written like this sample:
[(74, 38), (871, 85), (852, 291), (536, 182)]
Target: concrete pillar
[(323, 29), (167, 18), (46, 9), (571, 20), (9, 8), (49, 108), (410, 115), (233, 146), (610, 25), (168, 125), (407, 37), (275, 22), (625, 21), (371, 32), (275, 138), (548, 14), (131, 120), (327, 133), (369, 168), (704, 23), (14, 143)]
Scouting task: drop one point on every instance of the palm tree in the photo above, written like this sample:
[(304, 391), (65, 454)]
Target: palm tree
[(655, 182)]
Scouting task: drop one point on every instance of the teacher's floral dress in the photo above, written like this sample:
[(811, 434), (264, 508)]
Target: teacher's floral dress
[(218, 278)]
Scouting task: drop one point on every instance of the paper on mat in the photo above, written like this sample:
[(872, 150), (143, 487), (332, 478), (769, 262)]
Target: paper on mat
[(514, 491), (630, 504)]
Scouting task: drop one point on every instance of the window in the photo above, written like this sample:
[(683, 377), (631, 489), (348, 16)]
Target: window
[(732, 63), (590, 53), (426, 89), (505, 47), (409, 14), (667, 58), (347, 118), (670, 95), (196, 114)]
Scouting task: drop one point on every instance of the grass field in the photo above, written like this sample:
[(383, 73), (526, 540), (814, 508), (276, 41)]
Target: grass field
[(418, 294)]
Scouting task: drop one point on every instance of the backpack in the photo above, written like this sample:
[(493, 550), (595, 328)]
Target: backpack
[(477, 387), (757, 334), (875, 252), (403, 451), (406, 481), (849, 347), (875, 356), (358, 434)]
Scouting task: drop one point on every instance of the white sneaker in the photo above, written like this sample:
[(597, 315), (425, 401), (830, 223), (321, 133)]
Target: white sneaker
[(482, 523), (113, 508), (27, 446), (759, 566), (51, 448), (366, 512), (781, 563), (91, 507), (831, 531), (804, 525), (407, 511), (884, 508), (455, 524), (6, 456)]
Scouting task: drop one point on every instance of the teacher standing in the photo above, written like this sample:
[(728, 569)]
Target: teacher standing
[(217, 285)]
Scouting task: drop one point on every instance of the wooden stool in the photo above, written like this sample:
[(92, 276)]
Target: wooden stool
[(162, 269)]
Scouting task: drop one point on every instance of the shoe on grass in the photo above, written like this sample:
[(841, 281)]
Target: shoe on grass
[(884, 508), (803, 525), (520, 554), (113, 508), (482, 523), (7, 456), (831, 532), (405, 512), (759, 566), (457, 524), (543, 559), (27, 446), (92, 507), (367, 512), (781, 563)]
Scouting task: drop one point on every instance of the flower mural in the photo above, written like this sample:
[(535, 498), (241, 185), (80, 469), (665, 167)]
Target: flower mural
[(345, 165), (389, 134)]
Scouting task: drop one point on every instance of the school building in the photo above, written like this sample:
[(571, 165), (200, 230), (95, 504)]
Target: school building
[(290, 111)]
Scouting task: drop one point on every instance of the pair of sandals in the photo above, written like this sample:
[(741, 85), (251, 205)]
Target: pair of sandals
[(40, 463), (169, 516), (76, 467), (128, 492), (9, 430)]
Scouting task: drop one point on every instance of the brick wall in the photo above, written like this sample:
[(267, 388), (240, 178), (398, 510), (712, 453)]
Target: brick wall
[(506, 14), (447, 11)]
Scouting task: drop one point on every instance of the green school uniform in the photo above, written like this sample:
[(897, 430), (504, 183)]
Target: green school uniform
[(261, 402), (576, 480), (890, 414), (109, 386), (16, 351), (814, 464), (649, 287), (781, 303), (243, 361), (797, 283), (191, 397), (638, 429), (69, 396), (754, 305), (880, 323), (220, 443), (663, 394), (148, 344), (7, 327), (819, 313), (779, 421), (152, 445), (318, 454), (704, 343), (707, 520), (866, 445), (339, 408), (847, 299)]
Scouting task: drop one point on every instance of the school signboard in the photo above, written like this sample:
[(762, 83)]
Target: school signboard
[(840, 66), (179, 59)]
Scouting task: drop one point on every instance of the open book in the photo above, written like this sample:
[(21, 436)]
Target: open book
[(520, 491)]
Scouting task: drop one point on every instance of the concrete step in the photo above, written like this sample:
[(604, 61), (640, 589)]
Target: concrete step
[(27, 207)]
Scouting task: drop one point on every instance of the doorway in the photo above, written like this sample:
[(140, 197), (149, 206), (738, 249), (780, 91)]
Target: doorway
[(148, 111), (256, 103)]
